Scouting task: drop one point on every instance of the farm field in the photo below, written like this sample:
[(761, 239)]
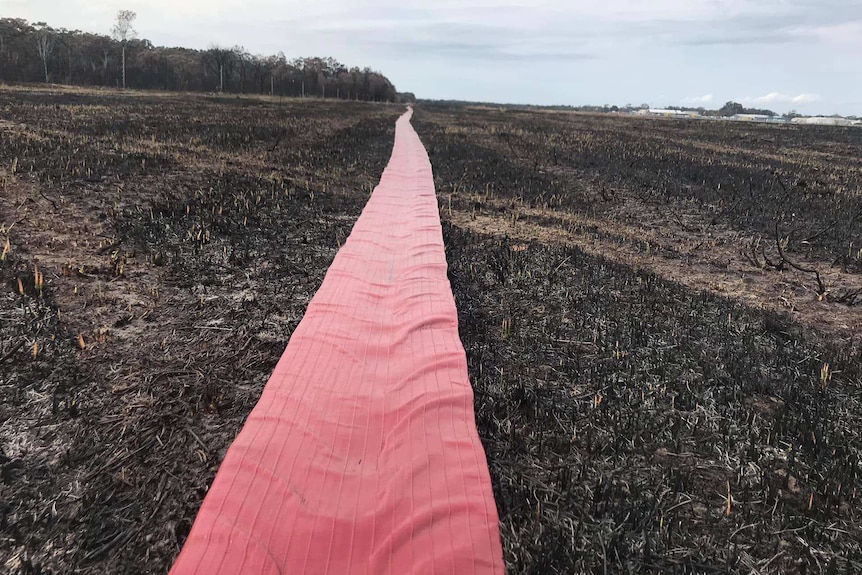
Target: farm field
[(658, 389), (662, 320), (180, 239)]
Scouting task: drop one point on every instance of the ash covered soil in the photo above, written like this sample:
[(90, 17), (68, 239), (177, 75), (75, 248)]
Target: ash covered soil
[(180, 239), (653, 396), (658, 389)]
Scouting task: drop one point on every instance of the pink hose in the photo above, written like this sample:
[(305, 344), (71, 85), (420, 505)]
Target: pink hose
[(362, 454)]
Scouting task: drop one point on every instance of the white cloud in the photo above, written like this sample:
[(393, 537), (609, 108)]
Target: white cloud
[(805, 98), (779, 98), (847, 34), (707, 99)]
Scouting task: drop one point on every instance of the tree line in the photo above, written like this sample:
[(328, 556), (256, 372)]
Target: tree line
[(729, 109), (39, 53)]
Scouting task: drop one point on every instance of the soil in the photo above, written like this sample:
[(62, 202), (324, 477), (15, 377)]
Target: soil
[(181, 239), (652, 394), (715, 262)]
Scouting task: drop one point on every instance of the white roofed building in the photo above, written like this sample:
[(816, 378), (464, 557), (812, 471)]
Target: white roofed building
[(823, 121)]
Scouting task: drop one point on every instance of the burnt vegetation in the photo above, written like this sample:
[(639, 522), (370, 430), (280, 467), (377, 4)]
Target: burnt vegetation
[(634, 424), (161, 250), (750, 177), (181, 240)]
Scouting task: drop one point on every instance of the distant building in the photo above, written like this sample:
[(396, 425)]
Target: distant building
[(823, 121), (751, 117), (669, 113)]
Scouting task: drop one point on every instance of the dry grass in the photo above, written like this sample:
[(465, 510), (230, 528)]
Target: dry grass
[(179, 249), (650, 400)]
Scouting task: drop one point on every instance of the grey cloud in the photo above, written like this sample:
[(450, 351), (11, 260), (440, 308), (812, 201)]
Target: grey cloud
[(448, 48), (737, 39), (461, 41), (475, 51), (785, 21)]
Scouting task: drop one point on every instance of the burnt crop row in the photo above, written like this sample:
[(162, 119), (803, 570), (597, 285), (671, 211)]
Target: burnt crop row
[(752, 177), (634, 425), (181, 239)]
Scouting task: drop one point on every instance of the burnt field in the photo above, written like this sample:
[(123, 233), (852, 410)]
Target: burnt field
[(166, 248), (664, 382), (661, 321)]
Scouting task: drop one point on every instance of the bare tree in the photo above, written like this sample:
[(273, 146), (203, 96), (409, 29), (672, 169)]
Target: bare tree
[(106, 60), (70, 40), (45, 46), (221, 61), (123, 32), (244, 61)]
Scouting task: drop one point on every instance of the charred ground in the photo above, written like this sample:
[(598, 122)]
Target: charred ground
[(633, 369), (650, 398), (181, 239)]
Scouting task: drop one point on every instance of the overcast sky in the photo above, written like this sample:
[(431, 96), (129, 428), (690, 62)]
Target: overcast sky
[(780, 54)]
